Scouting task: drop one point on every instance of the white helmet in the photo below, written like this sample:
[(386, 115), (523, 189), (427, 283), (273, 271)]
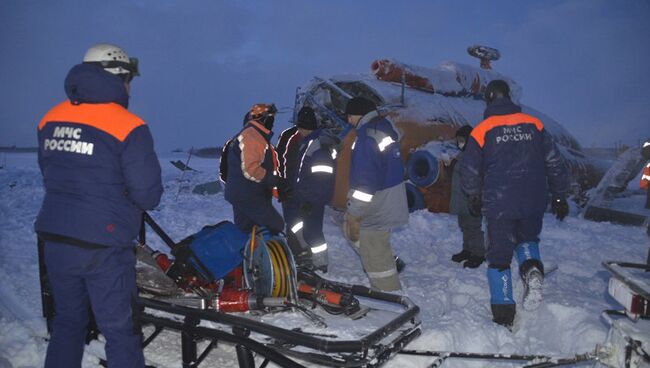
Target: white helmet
[(113, 59)]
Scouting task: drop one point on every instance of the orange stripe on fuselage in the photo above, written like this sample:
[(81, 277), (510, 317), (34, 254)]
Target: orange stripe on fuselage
[(111, 118), (503, 120)]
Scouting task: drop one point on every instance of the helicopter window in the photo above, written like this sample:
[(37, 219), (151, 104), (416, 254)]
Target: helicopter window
[(359, 89), (324, 96), (328, 97)]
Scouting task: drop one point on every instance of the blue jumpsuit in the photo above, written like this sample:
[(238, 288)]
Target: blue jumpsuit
[(100, 173), (314, 190), (512, 163)]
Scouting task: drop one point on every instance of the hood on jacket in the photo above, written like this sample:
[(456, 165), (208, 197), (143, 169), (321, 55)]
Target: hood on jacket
[(89, 83), (501, 106), (266, 133)]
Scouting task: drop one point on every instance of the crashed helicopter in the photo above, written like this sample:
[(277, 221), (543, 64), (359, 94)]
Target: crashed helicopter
[(427, 106)]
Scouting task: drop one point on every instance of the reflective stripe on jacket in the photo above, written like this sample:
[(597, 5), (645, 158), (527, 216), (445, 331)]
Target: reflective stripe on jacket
[(288, 150), (252, 163), (377, 192), (317, 172), (376, 162)]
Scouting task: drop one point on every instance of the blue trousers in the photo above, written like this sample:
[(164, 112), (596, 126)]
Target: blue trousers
[(471, 227), (313, 226), (104, 280), (260, 213), (311, 234), (290, 213), (291, 218), (505, 234)]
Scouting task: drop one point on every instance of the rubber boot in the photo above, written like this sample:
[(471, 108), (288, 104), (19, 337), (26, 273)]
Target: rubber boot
[(501, 300), (473, 261), (461, 256), (531, 271), (319, 257), (304, 260), (527, 251), (533, 277)]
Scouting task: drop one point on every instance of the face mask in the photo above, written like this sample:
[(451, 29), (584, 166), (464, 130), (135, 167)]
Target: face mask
[(268, 122)]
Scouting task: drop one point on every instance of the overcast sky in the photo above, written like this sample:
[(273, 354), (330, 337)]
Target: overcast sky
[(585, 63)]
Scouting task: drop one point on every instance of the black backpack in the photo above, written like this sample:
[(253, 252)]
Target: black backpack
[(223, 165)]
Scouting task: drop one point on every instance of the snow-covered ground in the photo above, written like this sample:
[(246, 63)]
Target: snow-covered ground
[(454, 301)]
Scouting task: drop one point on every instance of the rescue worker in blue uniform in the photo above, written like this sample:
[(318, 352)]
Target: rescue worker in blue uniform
[(100, 173), (314, 188), (252, 173), (288, 148), (377, 196), (508, 167), (473, 253)]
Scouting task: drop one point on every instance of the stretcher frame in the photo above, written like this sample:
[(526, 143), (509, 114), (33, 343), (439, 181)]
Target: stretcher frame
[(371, 350)]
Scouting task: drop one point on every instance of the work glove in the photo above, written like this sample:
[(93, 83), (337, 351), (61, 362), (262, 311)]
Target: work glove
[(351, 227), (305, 209), (474, 204), (560, 208), (285, 190)]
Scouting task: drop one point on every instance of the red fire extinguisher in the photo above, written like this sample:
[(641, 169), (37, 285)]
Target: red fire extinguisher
[(163, 261)]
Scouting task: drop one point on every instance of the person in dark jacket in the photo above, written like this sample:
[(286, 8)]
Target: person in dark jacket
[(508, 167), (223, 160), (252, 173), (645, 179), (100, 172), (314, 188), (377, 196), (289, 153), (473, 253)]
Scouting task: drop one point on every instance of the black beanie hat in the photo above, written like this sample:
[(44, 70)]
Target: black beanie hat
[(464, 131), (496, 89), (359, 106), (307, 119)]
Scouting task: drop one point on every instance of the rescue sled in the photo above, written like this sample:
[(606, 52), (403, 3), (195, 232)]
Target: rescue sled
[(265, 306)]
